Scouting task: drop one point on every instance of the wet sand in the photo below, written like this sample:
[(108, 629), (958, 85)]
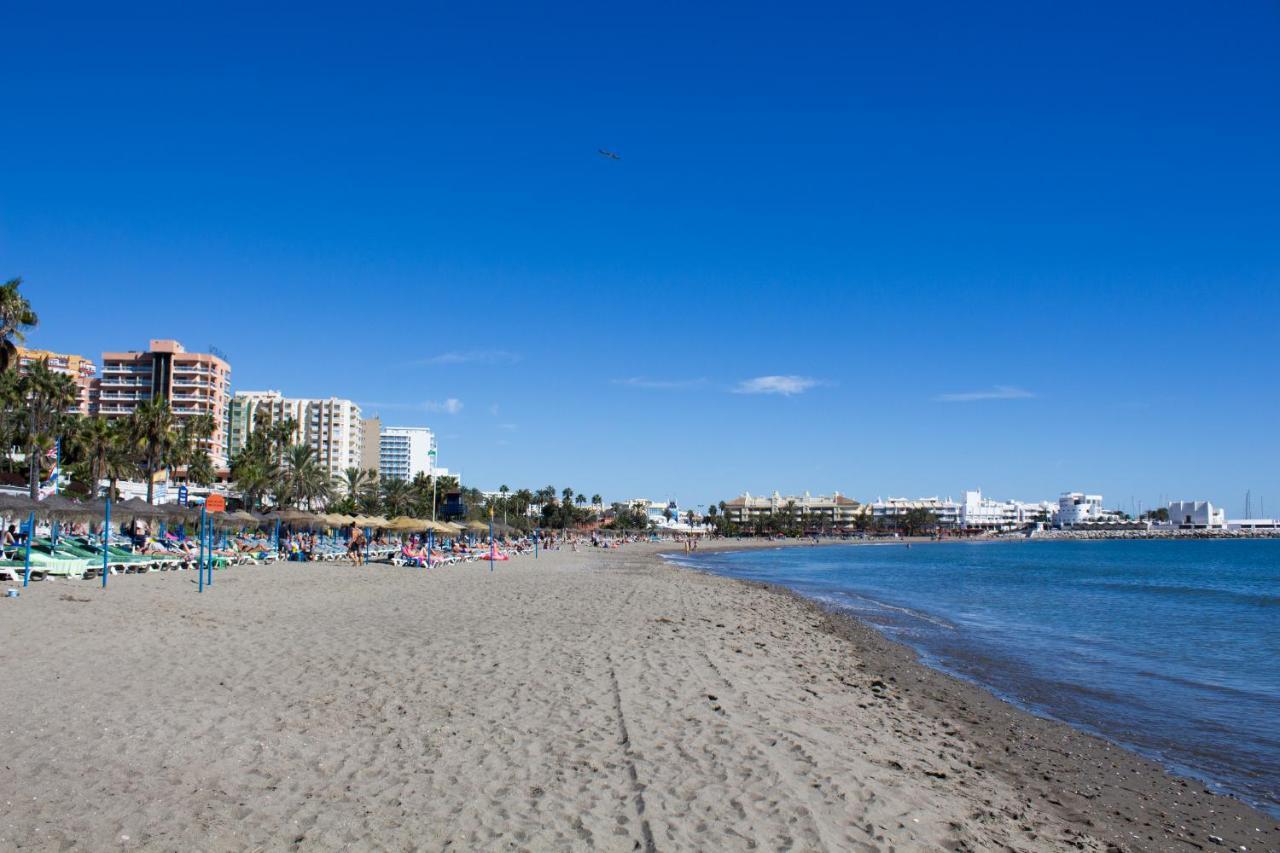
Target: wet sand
[(590, 701)]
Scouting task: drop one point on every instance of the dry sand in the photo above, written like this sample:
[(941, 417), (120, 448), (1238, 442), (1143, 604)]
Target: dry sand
[(590, 701)]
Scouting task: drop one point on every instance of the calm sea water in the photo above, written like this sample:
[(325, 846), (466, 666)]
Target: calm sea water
[(1170, 648)]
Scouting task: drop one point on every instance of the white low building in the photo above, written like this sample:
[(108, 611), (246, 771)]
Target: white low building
[(980, 513), (1075, 508), (1197, 515), (889, 512)]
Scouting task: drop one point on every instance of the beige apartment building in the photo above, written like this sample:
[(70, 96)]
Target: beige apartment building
[(194, 383), (836, 509), (332, 427), (80, 369)]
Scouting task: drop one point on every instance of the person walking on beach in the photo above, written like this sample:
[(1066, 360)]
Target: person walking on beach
[(355, 544)]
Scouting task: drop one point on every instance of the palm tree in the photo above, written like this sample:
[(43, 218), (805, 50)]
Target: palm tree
[(46, 397), (151, 426), (302, 478), (97, 439), (254, 476), (596, 500), (523, 498), (397, 497), (503, 489), (16, 317), (352, 481)]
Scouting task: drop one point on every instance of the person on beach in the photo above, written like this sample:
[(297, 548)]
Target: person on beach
[(355, 545)]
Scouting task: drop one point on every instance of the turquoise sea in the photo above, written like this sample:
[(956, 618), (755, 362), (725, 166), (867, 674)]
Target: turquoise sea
[(1170, 648)]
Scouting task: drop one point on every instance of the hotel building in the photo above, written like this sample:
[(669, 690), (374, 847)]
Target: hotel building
[(80, 369), (891, 511), (406, 452), (979, 513), (836, 509), (193, 383), (331, 427), (1078, 508)]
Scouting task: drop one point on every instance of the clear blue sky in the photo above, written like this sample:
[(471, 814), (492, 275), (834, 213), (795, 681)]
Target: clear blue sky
[(1023, 246)]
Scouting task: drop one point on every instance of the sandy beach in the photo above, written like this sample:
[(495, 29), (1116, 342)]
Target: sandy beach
[(585, 701)]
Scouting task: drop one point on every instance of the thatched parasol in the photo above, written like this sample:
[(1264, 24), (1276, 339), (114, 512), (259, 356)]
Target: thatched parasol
[(405, 524), (477, 527), (17, 504), (58, 507), (136, 508)]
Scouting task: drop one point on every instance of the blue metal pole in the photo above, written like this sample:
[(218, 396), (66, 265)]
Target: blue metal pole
[(537, 535), (31, 534), (277, 536), (492, 547), (366, 545), (106, 540), (431, 545), (213, 535), (200, 565)]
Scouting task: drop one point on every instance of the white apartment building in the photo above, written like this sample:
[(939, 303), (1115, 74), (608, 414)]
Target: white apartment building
[(890, 511), (1197, 515), (1078, 508), (979, 513), (331, 427), (405, 452)]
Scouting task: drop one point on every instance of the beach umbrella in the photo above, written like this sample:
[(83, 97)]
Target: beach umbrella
[(137, 508), (477, 526), (58, 507), (17, 504), (405, 524), (239, 516), (378, 522)]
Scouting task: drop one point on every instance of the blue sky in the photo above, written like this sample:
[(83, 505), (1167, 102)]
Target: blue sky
[(1028, 247)]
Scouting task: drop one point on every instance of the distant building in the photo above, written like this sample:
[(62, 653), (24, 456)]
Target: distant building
[(193, 383), (835, 510), (889, 512), (332, 427), (980, 513), (80, 369), (406, 452), (1075, 508), (371, 443), (1197, 515)]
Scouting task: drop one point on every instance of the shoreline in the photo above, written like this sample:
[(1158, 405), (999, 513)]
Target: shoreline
[(591, 700), (953, 694)]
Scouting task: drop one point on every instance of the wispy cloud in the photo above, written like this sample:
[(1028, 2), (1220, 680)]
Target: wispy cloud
[(451, 406), (784, 385), (998, 392), (475, 356), (508, 427), (660, 384)]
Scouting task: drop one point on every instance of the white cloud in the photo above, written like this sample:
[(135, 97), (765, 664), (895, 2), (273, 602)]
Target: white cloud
[(998, 392), (660, 384), (784, 385), (450, 406), (508, 427), (483, 356)]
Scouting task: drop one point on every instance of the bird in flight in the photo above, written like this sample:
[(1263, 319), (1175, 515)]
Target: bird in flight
[(606, 153)]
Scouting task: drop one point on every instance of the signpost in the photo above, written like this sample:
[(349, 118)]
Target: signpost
[(212, 504), (106, 540), (182, 495), (492, 545)]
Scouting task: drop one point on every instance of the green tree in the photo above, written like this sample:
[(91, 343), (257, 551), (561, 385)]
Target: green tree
[(397, 497), (16, 317), (917, 520), (302, 479), (45, 396), (151, 427)]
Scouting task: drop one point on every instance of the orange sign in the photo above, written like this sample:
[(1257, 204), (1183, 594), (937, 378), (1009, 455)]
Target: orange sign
[(215, 503)]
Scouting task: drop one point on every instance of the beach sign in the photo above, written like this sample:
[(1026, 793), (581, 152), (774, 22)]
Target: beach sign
[(215, 503)]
